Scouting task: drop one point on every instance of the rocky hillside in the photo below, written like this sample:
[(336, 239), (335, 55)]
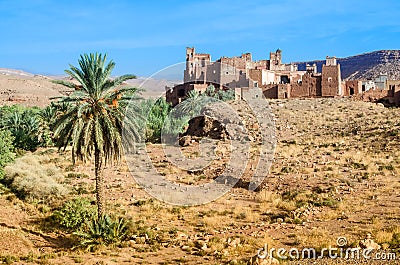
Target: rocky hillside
[(19, 87), (367, 65)]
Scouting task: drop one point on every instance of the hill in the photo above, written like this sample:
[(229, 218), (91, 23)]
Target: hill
[(19, 87), (332, 177), (366, 66)]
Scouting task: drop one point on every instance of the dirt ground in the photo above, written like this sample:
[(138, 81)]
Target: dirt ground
[(335, 174)]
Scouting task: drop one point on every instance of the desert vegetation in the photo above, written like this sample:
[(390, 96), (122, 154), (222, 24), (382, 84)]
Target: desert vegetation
[(65, 199)]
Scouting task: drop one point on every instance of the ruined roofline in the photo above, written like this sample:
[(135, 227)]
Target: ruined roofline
[(239, 57), (324, 62)]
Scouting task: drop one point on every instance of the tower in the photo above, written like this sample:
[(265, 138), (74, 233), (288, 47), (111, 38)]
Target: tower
[(275, 60), (331, 78), (189, 71)]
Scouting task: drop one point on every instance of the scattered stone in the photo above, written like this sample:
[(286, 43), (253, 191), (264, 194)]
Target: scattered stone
[(234, 243), (369, 243), (185, 140), (181, 236), (263, 258), (132, 243), (201, 244), (380, 105), (185, 248)]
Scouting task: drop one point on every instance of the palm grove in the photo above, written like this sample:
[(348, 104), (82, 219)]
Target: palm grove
[(90, 122)]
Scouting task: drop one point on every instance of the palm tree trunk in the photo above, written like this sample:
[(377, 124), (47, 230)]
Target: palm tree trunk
[(99, 182)]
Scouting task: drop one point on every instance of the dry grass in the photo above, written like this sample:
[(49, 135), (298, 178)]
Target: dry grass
[(33, 177), (335, 174)]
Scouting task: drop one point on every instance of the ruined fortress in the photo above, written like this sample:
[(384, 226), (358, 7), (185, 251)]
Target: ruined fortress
[(275, 79)]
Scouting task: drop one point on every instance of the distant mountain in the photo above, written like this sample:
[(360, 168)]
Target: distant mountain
[(19, 87), (14, 72), (366, 66), (152, 87)]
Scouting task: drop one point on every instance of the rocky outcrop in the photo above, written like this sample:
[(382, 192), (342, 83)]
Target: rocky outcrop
[(205, 126)]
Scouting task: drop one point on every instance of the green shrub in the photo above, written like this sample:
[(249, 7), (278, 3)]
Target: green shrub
[(6, 150), (32, 177), (156, 112), (395, 242), (74, 213), (226, 95), (103, 231), (27, 125)]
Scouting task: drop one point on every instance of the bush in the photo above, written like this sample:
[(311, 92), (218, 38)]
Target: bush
[(27, 125), (6, 150), (74, 213), (156, 112), (103, 231), (32, 178)]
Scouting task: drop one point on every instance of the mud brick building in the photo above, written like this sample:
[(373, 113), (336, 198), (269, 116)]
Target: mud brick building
[(276, 79)]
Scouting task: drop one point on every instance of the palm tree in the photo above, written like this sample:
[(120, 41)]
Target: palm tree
[(191, 105), (211, 91), (25, 127), (93, 123)]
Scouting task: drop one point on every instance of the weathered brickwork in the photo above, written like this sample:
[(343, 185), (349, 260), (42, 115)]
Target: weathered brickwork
[(331, 81), (352, 87), (276, 79), (309, 86)]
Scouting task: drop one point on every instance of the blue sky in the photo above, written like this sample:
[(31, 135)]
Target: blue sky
[(142, 37)]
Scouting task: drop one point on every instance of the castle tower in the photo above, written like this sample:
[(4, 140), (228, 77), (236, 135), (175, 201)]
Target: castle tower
[(331, 61), (331, 78), (247, 56), (190, 53), (311, 69), (275, 60), (189, 71), (279, 56), (196, 66)]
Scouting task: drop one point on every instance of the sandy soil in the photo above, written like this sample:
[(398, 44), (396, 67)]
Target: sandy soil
[(335, 174)]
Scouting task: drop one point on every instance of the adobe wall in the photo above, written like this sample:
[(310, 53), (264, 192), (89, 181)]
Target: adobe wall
[(394, 87), (331, 80), (256, 75), (373, 95), (237, 62), (284, 91), (262, 64), (276, 91), (174, 95), (270, 91), (310, 86), (179, 92), (352, 87)]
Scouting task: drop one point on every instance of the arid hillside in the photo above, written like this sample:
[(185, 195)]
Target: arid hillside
[(18, 87), (335, 174)]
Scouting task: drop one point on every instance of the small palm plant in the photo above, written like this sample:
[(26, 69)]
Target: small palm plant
[(94, 121), (103, 231), (191, 105)]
